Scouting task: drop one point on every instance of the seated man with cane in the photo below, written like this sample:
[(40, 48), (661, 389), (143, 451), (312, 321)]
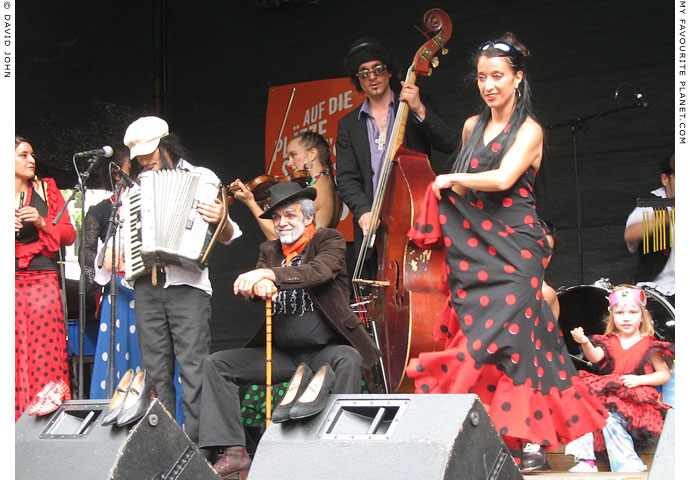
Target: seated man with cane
[(304, 273)]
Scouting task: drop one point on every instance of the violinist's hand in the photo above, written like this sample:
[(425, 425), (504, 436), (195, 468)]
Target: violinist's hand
[(410, 94), (211, 212), (244, 195), (30, 214)]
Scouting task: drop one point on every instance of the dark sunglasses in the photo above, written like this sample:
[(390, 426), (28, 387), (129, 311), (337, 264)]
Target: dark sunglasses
[(377, 70), (500, 45)]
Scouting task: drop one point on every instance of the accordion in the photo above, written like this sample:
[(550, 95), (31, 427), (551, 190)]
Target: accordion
[(162, 224)]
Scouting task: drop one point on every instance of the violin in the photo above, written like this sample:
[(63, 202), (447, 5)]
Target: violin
[(260, 185)]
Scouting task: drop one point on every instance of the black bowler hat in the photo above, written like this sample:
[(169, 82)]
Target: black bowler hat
[(284, 193)]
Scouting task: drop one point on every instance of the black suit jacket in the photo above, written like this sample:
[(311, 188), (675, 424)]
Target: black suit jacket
[(353, 157)]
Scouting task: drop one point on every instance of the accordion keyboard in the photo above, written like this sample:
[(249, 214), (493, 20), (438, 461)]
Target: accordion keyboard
[(134, 264)]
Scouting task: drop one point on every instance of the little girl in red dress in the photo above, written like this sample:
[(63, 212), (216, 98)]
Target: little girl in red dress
[(631, 363)]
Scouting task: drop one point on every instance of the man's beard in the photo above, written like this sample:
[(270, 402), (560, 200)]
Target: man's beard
[(294, 235)]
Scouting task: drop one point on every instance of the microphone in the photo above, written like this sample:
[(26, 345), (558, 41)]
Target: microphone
[(128, 181), (640, 100), (101, 152)]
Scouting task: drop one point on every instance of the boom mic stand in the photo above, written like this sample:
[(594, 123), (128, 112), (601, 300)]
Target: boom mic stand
[(575, 124), (113, 225), (80, 186)]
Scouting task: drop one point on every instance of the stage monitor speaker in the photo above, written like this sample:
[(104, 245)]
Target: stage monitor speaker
[(71, 443), (381, 437), (664, 461)]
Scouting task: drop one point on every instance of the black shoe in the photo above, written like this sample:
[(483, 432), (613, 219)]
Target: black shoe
[(314, 398), (137, 399), (115, 406), (298, 383), (533, 457)]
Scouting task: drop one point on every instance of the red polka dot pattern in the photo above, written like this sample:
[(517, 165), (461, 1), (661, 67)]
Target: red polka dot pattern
[(40, 346), (495, 343)]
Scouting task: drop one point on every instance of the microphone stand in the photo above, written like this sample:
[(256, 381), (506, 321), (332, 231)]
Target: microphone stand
[(80, 186), (113, 225), (575, 124)]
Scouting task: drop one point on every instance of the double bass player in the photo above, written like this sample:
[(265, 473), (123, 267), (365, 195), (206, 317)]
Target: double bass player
[(364, 133)]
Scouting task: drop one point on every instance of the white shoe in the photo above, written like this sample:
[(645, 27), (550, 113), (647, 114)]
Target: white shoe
[(583, 467)]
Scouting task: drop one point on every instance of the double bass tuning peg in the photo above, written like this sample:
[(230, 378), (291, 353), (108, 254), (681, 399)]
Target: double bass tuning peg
[(434, 62), (444, 51)]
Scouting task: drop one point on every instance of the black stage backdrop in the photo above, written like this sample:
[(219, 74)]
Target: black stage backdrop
[(86, 69)]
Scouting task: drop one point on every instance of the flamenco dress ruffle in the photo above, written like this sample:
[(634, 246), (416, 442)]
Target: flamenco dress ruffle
[(501, 339)]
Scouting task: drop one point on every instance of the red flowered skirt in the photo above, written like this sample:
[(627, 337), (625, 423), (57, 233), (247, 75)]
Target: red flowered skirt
[(502, 341), (40, 345)]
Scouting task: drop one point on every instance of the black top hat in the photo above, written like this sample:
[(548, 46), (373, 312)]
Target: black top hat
[(286, 192)]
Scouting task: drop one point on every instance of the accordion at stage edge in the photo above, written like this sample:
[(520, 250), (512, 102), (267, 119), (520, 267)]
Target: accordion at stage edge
[(162, 223)]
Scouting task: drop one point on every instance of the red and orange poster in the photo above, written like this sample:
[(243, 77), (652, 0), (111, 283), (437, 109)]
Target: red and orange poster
[(316, 106)]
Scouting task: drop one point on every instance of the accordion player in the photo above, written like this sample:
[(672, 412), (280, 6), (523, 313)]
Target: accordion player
[(162, 223)]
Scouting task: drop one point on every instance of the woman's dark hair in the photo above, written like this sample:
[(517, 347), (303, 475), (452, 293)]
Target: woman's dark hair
[(515, 56), (19, 139), (309, 140), (365, 50), (173, 150)]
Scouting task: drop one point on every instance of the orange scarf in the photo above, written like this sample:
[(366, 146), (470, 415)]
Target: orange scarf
[(292, 250)]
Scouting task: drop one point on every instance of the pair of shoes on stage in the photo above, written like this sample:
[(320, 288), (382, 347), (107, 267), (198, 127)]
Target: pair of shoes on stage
[(533, 457), (131, 399), (306, 394), (49, 398), (234, 460)]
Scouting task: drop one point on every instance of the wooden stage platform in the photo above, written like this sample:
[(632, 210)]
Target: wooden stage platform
[(560, 463)]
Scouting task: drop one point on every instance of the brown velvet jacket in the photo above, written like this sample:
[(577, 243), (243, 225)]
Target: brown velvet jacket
[(323, 274)]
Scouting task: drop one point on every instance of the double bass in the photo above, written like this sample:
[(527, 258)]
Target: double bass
[(409, 288)]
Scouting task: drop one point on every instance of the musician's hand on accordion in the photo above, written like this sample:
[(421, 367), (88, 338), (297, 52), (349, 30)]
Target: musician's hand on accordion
[(213, 213)]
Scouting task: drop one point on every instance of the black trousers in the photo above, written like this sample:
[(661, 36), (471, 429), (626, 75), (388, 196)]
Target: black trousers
[(220, 423), (173, 323)]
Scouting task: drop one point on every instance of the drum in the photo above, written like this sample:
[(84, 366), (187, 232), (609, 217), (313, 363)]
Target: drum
[(586, 306)]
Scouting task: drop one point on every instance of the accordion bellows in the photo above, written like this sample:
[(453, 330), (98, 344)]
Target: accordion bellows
[(162, 221)]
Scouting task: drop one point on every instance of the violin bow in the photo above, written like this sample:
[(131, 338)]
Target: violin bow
[(280, 134)]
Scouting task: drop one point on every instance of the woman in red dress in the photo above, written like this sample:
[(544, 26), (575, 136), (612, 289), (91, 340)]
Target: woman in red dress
[(501, 339), (40, 358)]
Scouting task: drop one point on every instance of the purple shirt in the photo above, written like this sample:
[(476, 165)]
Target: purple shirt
[(377, 155)]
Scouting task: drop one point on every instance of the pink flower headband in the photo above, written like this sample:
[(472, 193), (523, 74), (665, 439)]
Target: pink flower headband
[(627, 294)]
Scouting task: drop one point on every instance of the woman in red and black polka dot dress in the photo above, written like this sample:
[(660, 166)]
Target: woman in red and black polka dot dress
[(40, 339), (501, 339)]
